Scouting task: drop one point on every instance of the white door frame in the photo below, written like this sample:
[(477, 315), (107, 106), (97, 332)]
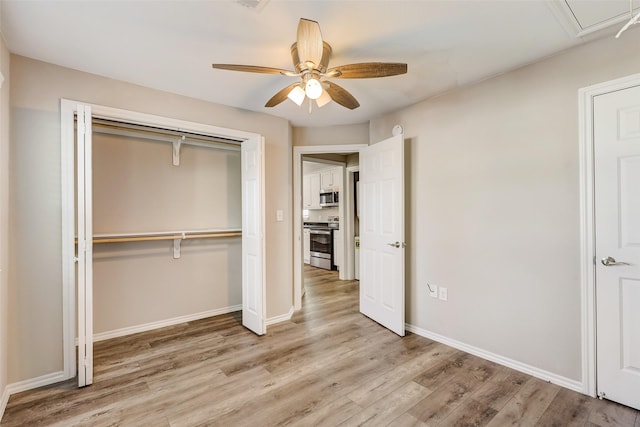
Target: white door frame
[(298, 255), (67, 110), (587, 227)]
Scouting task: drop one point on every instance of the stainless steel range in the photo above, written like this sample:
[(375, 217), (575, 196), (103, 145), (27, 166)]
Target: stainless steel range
[(321, 243)]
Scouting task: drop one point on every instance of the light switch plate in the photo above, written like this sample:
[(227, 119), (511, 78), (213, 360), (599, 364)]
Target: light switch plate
[(443, 293), (279, 215), (433, 290)]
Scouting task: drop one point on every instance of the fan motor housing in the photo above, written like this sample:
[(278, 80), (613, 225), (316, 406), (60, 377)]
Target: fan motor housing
[(324, 62)]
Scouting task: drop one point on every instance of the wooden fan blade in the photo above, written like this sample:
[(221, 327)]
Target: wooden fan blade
[(253, 69), (342, 97), (326, 56), (367, 70), (309, 43), (280, 96)]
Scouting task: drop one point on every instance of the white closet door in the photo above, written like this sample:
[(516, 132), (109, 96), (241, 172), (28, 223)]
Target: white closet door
[(85, 248), (616, 133), (253, 251)]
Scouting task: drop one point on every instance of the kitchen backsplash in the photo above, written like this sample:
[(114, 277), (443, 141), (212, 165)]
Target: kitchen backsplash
[(320, 215)]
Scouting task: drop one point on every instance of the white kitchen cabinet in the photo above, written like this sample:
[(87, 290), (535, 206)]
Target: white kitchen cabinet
[(306, 195), (331, 179), (326, 180), (337, 248), (306, 245), (311, 191), (337, 178)]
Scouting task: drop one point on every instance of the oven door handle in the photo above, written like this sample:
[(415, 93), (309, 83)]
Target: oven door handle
[(320, 232)]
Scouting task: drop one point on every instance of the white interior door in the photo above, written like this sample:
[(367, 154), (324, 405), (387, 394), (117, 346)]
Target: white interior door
[(253, 251), (617, 221), (382, 233), (85, 247)]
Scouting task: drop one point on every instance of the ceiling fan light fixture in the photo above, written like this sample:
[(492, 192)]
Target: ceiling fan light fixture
[(297, 95), (323, 99), (313, 88)]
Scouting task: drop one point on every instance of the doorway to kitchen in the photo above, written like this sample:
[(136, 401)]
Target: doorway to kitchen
[(329, 215)]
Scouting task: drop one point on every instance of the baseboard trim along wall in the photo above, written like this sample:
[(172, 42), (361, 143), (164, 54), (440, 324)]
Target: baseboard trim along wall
[(54, 377), (501, 360), (101, 336), (281, 318), (181, 319)]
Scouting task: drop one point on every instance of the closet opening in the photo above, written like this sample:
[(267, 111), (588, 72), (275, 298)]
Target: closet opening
[(163, 224)]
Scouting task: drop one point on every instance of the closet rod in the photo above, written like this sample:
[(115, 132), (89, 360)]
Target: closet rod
[(166, 138), (172, 235), (169, 237), (168, 135)]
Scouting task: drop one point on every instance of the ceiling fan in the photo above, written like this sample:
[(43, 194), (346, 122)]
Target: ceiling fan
[(311, 61)]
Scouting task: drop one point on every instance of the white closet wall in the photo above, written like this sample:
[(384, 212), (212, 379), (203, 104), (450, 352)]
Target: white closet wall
[(137, 189)]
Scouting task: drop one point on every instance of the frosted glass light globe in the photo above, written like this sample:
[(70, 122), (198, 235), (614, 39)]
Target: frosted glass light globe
[(313, 89)]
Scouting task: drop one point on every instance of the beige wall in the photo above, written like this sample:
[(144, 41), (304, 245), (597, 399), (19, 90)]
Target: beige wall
[(35, 337), (344, 134), (4, 213), (353, 160), (493, 210), (136, 189)]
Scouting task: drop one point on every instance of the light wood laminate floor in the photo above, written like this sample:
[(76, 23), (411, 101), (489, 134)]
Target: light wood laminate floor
[(328, 366)]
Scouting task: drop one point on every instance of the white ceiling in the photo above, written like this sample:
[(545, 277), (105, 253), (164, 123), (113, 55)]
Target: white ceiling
[(170, 45)]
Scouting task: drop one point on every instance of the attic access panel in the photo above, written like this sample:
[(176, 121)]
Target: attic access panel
[(594, 15)]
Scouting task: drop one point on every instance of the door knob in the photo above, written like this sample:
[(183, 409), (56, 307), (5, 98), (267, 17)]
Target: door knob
[(611, 261), (397, 244)]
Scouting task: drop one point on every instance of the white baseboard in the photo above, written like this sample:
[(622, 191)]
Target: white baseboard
[(182, 319), (501, 360), (101, 336), (54, 377), (281, 318), (4, 401)]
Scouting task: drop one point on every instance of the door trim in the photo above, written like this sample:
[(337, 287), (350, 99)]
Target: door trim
[(587, 226), (298, 152)]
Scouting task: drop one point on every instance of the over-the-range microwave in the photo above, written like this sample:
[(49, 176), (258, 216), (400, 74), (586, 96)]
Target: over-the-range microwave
[(329, 198)]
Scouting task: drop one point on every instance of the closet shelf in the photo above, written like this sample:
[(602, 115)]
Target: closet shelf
[(176, 236), (166, 235)]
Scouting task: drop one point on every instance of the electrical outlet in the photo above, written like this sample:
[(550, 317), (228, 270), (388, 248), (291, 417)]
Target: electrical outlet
[(433, 290), (279, 215), (443, 293)]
